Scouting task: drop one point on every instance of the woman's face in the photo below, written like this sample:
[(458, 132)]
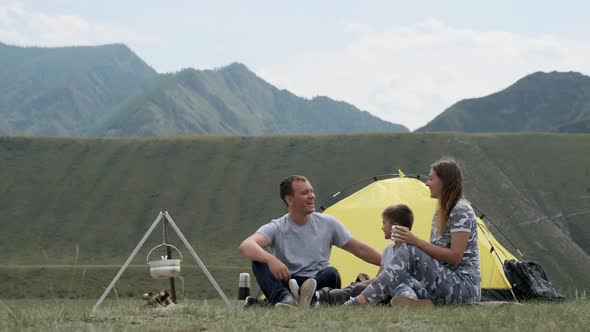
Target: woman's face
[(434, 183)]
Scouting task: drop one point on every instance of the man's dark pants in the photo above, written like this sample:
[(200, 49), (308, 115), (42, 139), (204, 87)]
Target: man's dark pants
[(275, 290)]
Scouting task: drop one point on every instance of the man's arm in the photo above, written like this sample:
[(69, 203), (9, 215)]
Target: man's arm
[(363, 251), (253, 249)]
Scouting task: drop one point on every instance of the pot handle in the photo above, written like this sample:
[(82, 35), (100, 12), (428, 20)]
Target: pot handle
[(147, 259)]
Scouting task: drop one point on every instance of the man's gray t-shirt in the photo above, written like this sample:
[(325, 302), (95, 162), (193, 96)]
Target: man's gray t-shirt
[(305, 249)]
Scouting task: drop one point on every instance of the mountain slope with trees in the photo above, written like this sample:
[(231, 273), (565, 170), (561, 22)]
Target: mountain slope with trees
[(65, 91), (234, 101)]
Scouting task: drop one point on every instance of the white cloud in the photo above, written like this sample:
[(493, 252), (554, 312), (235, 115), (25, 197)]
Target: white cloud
[(24, 27), (411, 74)]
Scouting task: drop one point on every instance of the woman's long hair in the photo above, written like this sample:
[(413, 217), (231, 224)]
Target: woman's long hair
[(452, 189)]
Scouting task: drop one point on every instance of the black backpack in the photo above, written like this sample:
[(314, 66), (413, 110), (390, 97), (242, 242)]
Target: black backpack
[(529, 281)]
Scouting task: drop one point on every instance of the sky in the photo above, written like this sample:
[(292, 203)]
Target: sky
[(403, 61)]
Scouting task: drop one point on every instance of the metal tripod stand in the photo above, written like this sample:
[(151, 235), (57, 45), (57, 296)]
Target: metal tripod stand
[(167, 220)]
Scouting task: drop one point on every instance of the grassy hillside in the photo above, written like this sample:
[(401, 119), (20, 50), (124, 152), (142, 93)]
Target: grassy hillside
[(89, 201), (540, 102)]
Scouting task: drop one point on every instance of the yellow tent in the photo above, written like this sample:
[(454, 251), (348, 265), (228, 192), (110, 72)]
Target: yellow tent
[(361, 211)]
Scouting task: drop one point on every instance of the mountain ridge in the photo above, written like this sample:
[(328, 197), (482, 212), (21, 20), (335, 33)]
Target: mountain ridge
[(539, 102), (108, 90)]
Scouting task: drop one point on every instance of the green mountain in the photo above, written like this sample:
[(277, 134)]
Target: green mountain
[(234, 101), (89, 201), (540, 102), (65, 91), (109, 91)]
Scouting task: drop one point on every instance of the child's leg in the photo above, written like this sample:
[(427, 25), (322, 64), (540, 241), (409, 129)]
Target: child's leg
[(412, 289)]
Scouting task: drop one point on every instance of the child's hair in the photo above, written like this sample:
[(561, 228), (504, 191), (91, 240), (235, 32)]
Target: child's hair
[(399, 214)]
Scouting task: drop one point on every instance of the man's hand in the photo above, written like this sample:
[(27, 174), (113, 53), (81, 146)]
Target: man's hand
[(253, 248), (278, 269)]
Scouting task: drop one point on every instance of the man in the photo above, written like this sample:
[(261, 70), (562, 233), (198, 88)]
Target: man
[(300, 243)]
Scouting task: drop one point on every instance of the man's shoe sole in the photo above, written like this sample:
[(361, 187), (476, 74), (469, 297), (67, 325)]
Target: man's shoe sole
[(294, 288), (306, 292)]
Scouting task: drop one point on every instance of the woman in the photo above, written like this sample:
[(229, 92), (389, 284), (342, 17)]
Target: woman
[(444, 270)]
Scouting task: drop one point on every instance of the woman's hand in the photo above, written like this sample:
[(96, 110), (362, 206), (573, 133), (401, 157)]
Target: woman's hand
[(404, 235)]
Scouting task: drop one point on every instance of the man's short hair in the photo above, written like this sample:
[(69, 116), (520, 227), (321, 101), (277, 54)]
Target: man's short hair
[(399, 214), (286, 186)]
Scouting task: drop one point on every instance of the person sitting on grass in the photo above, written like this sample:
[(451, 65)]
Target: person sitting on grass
[(444, 270), (395, 215), (300, 243)]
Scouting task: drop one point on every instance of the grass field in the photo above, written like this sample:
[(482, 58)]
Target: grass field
[(193, 315)]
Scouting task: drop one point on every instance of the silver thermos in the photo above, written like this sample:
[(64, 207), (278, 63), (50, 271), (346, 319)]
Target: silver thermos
[(244, 288)]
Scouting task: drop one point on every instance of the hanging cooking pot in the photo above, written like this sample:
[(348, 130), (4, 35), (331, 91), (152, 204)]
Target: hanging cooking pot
[(165, 267)]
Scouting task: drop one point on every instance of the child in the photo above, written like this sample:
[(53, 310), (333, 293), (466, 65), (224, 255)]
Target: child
[(396, 215)]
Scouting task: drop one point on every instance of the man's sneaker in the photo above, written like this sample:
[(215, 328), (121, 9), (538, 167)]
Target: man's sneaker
[(294, 287), (306, 292), (287, 301), (252, 301)]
